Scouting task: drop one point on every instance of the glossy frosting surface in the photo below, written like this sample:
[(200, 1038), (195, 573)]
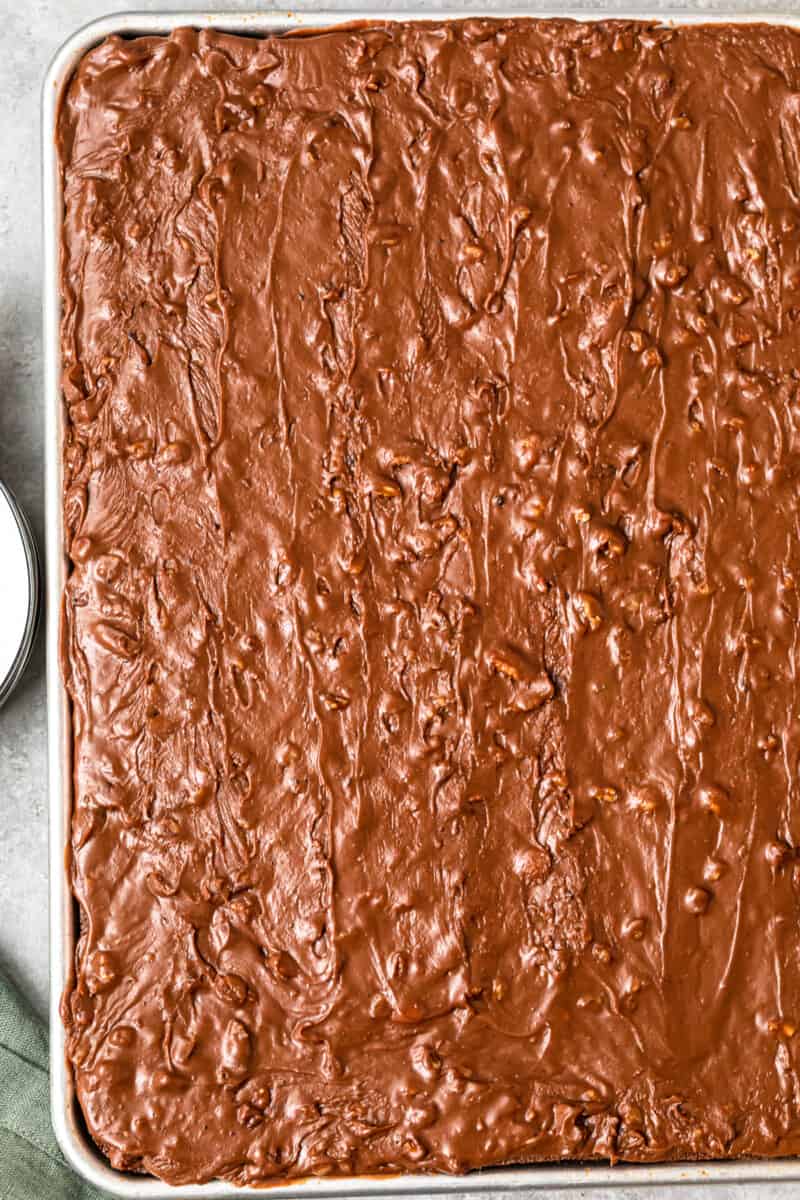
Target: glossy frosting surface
[(431, 501)]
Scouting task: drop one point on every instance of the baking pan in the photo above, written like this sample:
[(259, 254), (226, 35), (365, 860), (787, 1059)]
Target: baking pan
[(70, 1131)]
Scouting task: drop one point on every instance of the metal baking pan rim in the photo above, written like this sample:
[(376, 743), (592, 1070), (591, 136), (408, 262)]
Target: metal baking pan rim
[(72, 1136)]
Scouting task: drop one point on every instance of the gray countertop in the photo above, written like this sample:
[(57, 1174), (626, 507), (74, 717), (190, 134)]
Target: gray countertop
[(29, 35)]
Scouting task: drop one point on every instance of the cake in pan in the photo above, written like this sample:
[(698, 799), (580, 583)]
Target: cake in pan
[(432, 403)]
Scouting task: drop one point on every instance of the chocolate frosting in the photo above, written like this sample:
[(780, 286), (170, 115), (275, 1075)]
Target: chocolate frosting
[(431, 501)]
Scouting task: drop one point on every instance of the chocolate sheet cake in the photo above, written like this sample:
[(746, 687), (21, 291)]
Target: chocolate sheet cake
[(431, 630)]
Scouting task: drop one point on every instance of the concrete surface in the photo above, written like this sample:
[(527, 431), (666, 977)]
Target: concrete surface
[(29, 35)]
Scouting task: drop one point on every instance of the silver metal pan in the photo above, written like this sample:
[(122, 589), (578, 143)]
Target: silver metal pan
[(72, 1135)]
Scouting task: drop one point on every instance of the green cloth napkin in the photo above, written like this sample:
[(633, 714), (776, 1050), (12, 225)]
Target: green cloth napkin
[(31, 1164)]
